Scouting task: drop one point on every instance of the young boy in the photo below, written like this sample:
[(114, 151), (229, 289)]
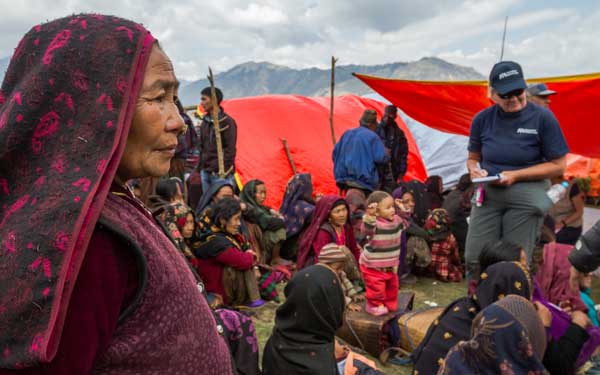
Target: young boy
[(380, 258)]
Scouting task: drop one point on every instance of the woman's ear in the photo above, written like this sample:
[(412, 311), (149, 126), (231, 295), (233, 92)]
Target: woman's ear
[(222, 222)]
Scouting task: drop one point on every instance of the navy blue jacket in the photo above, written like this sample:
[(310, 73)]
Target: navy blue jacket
[(355, 158)]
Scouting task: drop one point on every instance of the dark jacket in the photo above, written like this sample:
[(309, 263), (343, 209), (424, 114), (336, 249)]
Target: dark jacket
[(585, 256), (208, 143), (356, 156), (394, 139)]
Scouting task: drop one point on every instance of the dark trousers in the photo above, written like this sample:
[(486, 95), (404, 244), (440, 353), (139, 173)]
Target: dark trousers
[(569, 235)]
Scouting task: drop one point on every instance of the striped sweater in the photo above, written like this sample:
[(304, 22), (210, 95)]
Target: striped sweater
[(383, 248)]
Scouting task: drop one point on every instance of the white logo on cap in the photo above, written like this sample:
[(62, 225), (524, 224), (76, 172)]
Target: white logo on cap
[(513, 72)]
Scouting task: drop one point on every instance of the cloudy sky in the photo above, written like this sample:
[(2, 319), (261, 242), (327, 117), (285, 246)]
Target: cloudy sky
[(548, 37)]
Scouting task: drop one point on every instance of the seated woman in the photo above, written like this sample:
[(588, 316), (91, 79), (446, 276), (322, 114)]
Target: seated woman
[(414, 238), (435, 188), (269, 227), (238, 329), (297, 208), (357, 203), (458, 205), (454, 324), (178, 220), (570, 333), (568, 213), (330, 223), (445, 257), (218, 190), (303, 338), (224, 261), (501, 328)]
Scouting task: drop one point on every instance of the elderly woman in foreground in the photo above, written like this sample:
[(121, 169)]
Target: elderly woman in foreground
[(89, 282)]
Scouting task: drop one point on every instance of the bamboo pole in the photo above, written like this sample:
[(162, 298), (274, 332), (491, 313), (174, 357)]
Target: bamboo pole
[(289, 155), (215, 117), (333, 61)]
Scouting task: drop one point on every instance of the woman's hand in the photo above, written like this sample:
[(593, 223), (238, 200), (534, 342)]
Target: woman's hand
[(508, 178), (544, 314), (478, 173), (341, 351), (581, 319)]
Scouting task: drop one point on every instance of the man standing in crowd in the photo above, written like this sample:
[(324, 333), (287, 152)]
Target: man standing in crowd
[(539, 94), (395, 142), (208, 165), (358, 154)]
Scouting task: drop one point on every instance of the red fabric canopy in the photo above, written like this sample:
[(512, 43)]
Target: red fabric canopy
[(264, 120), (450, 106)]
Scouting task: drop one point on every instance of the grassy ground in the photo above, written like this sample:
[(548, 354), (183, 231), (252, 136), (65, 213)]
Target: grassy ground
[(425, 290)]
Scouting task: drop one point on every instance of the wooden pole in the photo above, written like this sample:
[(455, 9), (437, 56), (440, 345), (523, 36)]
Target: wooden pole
[(333, 61), (289, 155), (215, 117), (503, 39)]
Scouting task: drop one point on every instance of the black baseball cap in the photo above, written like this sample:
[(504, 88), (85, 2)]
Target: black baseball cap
[(507, 76), (539, 89)]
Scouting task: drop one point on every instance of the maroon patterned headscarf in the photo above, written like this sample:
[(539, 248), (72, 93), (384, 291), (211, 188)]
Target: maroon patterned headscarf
[(66, 105), (320, 216)]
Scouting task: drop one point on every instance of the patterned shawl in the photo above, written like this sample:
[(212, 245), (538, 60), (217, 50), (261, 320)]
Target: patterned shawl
[(508, 338), (454, 324), (320, 217), (297, 206), (174, 217), (66, 105)]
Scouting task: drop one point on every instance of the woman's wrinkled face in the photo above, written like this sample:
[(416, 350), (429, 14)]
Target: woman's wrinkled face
[(261, 194), (232, 226), (339, 216), (224, 192), (156, 123), (188, 228)]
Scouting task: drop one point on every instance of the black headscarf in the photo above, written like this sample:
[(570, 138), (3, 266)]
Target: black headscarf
[(454, 324), (207, 197), (302, 341)]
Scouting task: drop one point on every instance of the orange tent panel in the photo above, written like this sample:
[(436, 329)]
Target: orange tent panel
[(451, 106), (304, 122)]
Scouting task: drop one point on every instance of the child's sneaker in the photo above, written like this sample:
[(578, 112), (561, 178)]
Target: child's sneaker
[(376, 310)]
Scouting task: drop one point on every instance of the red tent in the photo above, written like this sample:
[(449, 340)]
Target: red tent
[(450, 106), (304, 122)]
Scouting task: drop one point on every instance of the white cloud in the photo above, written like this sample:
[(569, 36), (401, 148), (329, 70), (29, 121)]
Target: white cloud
[(302, 33)]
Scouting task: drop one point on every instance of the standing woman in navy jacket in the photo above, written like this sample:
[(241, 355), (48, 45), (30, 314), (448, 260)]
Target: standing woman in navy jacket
[(523, 144)]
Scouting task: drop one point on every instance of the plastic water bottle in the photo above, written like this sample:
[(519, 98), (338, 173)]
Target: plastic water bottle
[(557, 191)]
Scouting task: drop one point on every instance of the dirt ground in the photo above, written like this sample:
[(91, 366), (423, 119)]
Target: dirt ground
[(425, 289)]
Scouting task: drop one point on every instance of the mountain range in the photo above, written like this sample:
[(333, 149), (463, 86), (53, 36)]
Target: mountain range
[(260, 78)]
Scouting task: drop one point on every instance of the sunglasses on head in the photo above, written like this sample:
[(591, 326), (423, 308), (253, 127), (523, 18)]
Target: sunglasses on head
[(509, 95)]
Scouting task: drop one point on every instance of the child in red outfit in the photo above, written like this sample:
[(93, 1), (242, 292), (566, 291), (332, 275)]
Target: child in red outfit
[(380, 258)]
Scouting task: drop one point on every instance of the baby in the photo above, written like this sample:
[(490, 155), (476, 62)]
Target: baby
[(380, 258)]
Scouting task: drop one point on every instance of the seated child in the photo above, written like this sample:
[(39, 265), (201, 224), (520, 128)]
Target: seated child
[(445, 256), (270, 223), (380, 258), (337, 257), (224, 262)]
